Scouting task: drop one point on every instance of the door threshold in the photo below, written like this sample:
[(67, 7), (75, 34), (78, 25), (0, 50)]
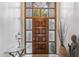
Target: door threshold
[(40, 55)]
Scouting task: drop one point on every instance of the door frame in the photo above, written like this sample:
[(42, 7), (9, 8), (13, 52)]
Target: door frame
[(23, 13)]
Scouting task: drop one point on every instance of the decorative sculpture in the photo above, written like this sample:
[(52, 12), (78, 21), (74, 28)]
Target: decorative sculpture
[(73, 48)]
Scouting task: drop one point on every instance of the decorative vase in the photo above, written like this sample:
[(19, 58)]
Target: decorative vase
[(62, 51)]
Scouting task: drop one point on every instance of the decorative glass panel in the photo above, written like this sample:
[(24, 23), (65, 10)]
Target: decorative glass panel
[(28, 35), (44, 12), (51, 35), (40, 4), (28, 12), (36, 12), (51, 47), (28, 4), (51, 23), (51, 4), (51, 13), (28, 23), (28, 47)]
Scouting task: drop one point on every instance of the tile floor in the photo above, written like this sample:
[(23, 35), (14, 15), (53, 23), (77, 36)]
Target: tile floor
[(50, 55)]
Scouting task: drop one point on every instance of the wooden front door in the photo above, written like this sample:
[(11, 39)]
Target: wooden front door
[(40, 36)]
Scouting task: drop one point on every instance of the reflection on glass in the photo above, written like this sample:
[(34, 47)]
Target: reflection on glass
[(28, 47), (51, 4), (51, 47), (28, 23), (36, 12), (28, 35), (28, 12), (44, 12), (51, 35), (51, 23), (28, 4), (40, 4), (51, 13)]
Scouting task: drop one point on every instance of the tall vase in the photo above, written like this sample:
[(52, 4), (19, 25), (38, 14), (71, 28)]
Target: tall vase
[(62, 51)]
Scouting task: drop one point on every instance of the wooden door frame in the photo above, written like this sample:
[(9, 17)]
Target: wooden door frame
[(23, 11)]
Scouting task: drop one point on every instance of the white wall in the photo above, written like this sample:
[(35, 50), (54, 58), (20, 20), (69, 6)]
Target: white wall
[(9, 25), (69, 15)]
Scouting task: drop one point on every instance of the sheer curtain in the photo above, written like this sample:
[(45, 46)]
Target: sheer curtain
[(69, 17), (9, 25)]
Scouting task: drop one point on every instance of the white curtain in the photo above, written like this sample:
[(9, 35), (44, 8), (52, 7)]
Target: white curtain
[(69, 17), (9, 25)]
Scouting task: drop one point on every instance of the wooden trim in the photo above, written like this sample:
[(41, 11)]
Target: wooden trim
[(21, 25), (23, 16), (31, 41), (25, 25), (40, 17), (48, 29), (55, 25), (38, 8)]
